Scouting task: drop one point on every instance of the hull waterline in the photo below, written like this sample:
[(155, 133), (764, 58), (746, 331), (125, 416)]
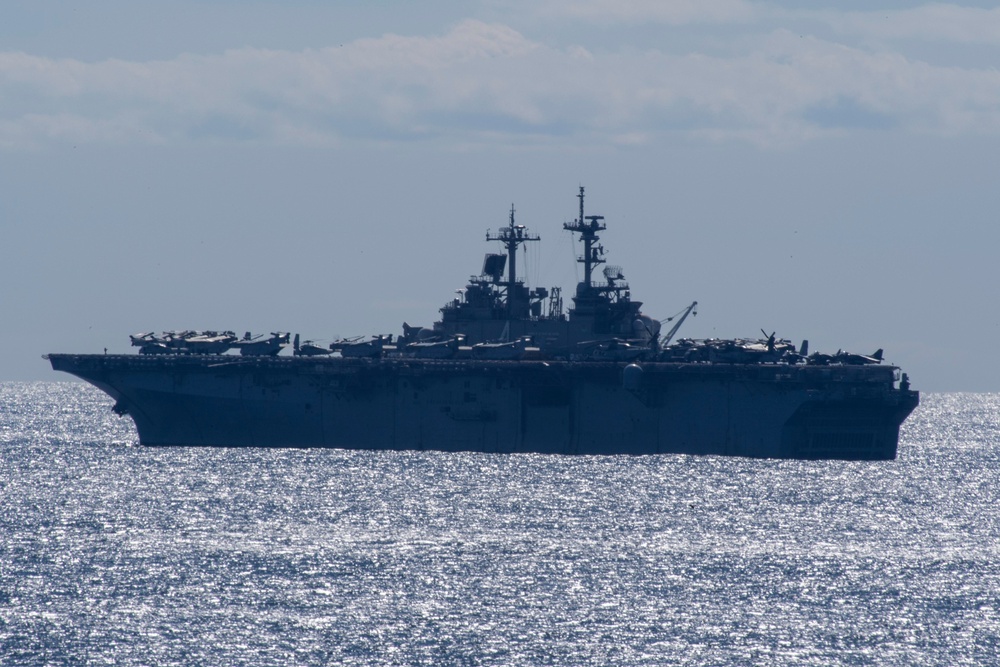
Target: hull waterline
[(772, 411)]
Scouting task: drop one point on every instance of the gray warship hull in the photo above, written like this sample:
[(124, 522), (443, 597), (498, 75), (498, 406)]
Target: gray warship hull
[(555, 407)]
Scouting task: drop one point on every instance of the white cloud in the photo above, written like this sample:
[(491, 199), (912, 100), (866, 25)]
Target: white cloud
[(488, 83)]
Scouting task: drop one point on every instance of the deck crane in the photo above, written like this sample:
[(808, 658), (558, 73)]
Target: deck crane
[(690, 310)]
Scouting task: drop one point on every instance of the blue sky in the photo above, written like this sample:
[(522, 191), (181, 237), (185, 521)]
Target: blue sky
[(331, 168)]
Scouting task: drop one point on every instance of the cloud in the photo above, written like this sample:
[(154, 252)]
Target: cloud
[(487, 83)]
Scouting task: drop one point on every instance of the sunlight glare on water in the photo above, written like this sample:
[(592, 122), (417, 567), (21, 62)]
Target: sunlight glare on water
[(114, 553)]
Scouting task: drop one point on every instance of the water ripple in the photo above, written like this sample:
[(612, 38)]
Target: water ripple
[(113, 553)]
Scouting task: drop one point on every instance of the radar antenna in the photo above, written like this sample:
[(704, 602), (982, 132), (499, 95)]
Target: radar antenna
[(588, 226), (511, 236)]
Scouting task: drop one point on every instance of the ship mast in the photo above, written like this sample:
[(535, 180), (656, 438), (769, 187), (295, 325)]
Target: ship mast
[(588, 226), (511, 236)]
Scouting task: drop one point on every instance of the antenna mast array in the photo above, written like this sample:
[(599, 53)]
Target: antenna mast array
[(588, 226), (512, 236)]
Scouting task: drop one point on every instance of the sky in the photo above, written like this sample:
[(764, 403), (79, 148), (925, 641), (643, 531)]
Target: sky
[(331, 168)]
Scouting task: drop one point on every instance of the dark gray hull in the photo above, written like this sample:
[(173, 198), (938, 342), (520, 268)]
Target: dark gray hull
[(774, 411)]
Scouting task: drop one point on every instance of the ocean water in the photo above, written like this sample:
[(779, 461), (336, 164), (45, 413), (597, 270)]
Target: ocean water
[(112, 554)]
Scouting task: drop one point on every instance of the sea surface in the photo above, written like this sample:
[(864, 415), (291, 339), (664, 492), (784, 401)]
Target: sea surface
[(112, 554)]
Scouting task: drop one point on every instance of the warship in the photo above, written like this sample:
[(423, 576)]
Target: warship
[(506, 369)]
